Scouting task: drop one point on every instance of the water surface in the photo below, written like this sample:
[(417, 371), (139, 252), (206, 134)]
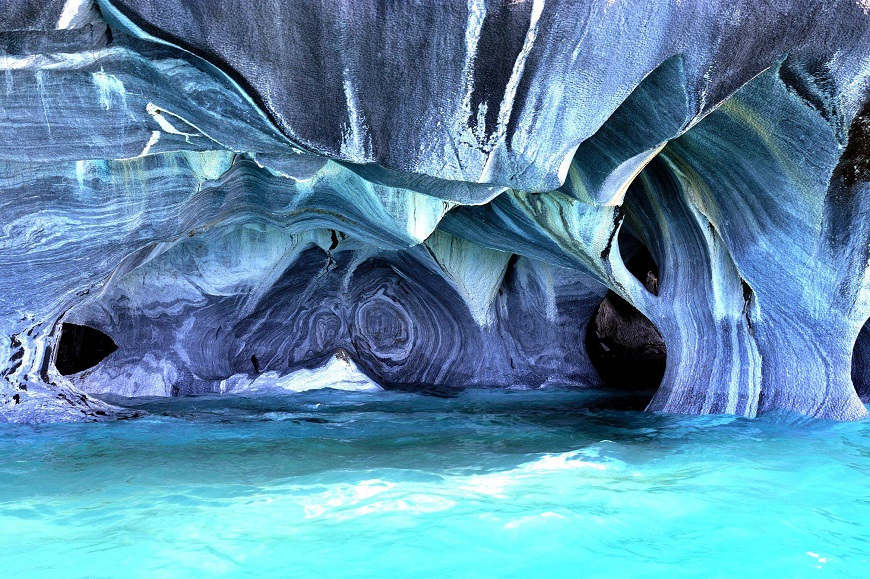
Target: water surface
[(489, 483)]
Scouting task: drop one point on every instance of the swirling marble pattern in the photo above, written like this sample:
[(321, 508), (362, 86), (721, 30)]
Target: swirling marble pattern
[(493, 91), (796, 230), (432, 196), (395, 314)]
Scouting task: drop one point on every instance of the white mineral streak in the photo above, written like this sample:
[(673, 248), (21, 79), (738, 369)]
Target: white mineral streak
[(81, 168), (476, 16), (507, 104), (460, 161), (155, 136), (41, 89), (355, 132), (167, 127), (73, 11), (14, 62), (110, 88)]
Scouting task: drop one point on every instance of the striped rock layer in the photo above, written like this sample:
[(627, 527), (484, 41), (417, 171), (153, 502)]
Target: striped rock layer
[(429, 196)]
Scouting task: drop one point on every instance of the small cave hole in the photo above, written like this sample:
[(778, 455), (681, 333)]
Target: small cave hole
[(861, 364), (81, 347), (624, 346), (641, 264)]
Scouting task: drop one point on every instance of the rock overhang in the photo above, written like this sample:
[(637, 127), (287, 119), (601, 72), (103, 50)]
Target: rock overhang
[(390, 182)]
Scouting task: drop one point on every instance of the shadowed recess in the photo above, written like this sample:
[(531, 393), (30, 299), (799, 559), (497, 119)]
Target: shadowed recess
[(861, 364), (81, 348), (624, 346)]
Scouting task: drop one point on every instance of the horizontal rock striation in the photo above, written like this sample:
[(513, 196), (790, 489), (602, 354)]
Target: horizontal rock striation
[(429, 196)]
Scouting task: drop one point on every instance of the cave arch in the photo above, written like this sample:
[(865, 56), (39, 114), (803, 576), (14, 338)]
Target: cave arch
[(625, 347)]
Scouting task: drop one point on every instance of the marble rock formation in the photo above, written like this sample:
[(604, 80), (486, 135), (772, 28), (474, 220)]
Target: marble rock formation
[(246, 196)]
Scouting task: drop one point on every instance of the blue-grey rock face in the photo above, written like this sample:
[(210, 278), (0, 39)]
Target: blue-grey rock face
[(401, 316), (434, 195)]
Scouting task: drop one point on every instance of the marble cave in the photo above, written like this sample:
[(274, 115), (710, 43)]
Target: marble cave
[(227, 197)]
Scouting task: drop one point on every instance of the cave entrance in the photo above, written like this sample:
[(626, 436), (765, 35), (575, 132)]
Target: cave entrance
[(81, 347), (624, 346), (861, 364)]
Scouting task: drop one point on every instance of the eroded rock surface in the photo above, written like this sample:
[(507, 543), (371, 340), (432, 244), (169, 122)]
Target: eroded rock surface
[(435, 195)]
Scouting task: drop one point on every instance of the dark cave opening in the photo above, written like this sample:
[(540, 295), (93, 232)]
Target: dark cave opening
[(81, 347), (624, 346), (861, 364), (639, 261)]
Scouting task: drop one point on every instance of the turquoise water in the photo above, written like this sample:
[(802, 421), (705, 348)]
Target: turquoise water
[(522, 484)]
